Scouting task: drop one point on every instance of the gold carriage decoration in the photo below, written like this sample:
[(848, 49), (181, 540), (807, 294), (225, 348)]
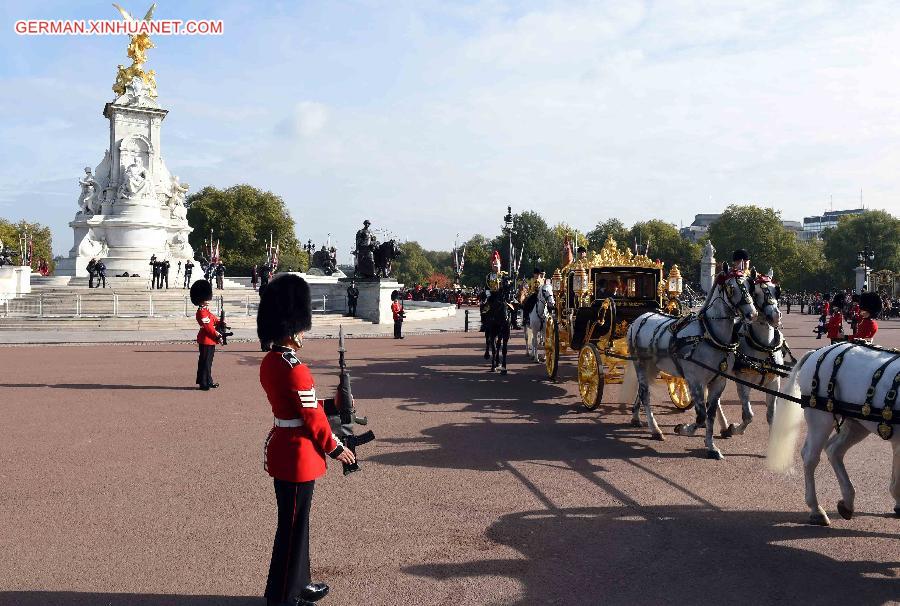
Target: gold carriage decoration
[(597, 298)]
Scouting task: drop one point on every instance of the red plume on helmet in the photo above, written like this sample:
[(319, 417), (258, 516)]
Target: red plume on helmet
[(495, 257)]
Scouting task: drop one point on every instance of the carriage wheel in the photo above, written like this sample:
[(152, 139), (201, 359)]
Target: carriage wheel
[(551, 349), (678, 392), (590, 376)]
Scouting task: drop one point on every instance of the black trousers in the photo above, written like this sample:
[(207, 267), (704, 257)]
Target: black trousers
[(101, 279), (351, 307), (91, 280), (187, 279), (398, 329), (204, 365), (289, 569)]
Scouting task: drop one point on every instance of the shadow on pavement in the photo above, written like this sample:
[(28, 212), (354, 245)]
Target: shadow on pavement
[(673, 555), (72, 598), (96, 386)]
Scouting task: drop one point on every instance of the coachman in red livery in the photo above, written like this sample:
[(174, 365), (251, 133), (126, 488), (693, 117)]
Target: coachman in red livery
[(299, 440)]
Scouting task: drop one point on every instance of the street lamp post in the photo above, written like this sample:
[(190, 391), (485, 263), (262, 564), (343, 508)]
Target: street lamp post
[(865, 257), (309, 247)]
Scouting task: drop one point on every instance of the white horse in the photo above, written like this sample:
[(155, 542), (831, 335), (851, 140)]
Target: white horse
[(660, 342), (760, 351), (850, 378), (536, 322)]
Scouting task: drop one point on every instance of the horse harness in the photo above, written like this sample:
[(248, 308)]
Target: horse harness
[(884, 417), (768, 364)]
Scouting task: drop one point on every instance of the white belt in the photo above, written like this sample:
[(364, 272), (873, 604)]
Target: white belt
[(288, 422)]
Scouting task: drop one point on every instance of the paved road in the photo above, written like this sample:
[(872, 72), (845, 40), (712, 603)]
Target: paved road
[(123, 486)]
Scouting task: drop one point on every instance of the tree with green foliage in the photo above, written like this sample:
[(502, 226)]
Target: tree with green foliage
[(667, 245), (242, 217), (43, 240), (477, 262), (532, 236), (810, 272), (760, 231), (560, 232), (876, 230), (412, 266), (604, 229)]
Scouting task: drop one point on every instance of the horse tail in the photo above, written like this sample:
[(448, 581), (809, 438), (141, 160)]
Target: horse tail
[(786, 424), (630, 380)]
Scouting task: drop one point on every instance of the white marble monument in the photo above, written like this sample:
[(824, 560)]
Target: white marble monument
[(130, 206), (708, 267)]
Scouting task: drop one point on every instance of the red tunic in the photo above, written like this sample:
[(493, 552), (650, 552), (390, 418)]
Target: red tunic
[(865, 329), (835, 327), (295, 454), (397, 310), (207, 334)]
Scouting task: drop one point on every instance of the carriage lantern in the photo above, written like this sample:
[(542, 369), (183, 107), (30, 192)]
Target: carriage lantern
[(676, 284), (556, 280), (580, 281)]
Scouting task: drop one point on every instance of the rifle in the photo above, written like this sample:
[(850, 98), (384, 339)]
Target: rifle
[(341, 412), (221, 326)]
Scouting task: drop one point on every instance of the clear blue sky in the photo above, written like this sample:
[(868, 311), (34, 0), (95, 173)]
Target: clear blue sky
[(429, 117)]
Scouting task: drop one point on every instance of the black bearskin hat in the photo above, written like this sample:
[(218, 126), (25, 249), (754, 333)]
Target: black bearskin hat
[(285, 309), (870, 302), (839, 300), (201, 292), (740, 255), (537, 270), (581, 249)]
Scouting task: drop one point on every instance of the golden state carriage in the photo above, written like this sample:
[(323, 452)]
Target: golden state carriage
[(597, 298)]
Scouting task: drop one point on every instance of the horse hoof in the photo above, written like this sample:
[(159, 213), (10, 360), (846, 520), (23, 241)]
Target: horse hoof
[(897, 511), (487, 356), (819, 519), (658, 437), (503, 371), (714, 455), (728, 431), (636, 423), (679, 428), (845, 511)]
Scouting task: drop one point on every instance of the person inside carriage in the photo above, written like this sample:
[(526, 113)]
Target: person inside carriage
[(869, 308)]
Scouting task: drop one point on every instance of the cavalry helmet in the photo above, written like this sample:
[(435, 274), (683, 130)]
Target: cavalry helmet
[(740, 255)]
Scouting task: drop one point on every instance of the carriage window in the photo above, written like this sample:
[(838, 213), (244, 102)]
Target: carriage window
[(631, 286)]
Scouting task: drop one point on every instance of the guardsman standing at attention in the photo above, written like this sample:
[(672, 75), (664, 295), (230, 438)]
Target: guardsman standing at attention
[(166, 266), (207, 336), (298, 442), (188, 269), (869, 308), (397, 312)]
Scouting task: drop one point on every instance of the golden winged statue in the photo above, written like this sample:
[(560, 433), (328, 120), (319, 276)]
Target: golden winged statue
[(137, 52)]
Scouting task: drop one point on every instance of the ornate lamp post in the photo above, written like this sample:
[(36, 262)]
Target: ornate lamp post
[(508, 230), (309, 247), (864, 256)]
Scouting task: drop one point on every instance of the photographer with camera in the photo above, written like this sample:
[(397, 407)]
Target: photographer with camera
[(298, 442), (208, 335)]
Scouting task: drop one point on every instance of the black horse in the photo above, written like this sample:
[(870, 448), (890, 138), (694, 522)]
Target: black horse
[(385, 253), (496, 320)]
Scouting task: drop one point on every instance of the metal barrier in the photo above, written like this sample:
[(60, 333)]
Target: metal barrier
[(468, 322), (116, 305)]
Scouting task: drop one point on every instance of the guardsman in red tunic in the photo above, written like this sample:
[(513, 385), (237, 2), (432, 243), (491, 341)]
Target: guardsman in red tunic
[(834, 329), (869, 308), (399, 314), (299, 440), (207, 336)]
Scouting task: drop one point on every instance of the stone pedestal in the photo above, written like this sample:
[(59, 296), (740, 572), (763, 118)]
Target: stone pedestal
[(133, 207), (328, 293), (374, 302), (861, 275), (14, 281)]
